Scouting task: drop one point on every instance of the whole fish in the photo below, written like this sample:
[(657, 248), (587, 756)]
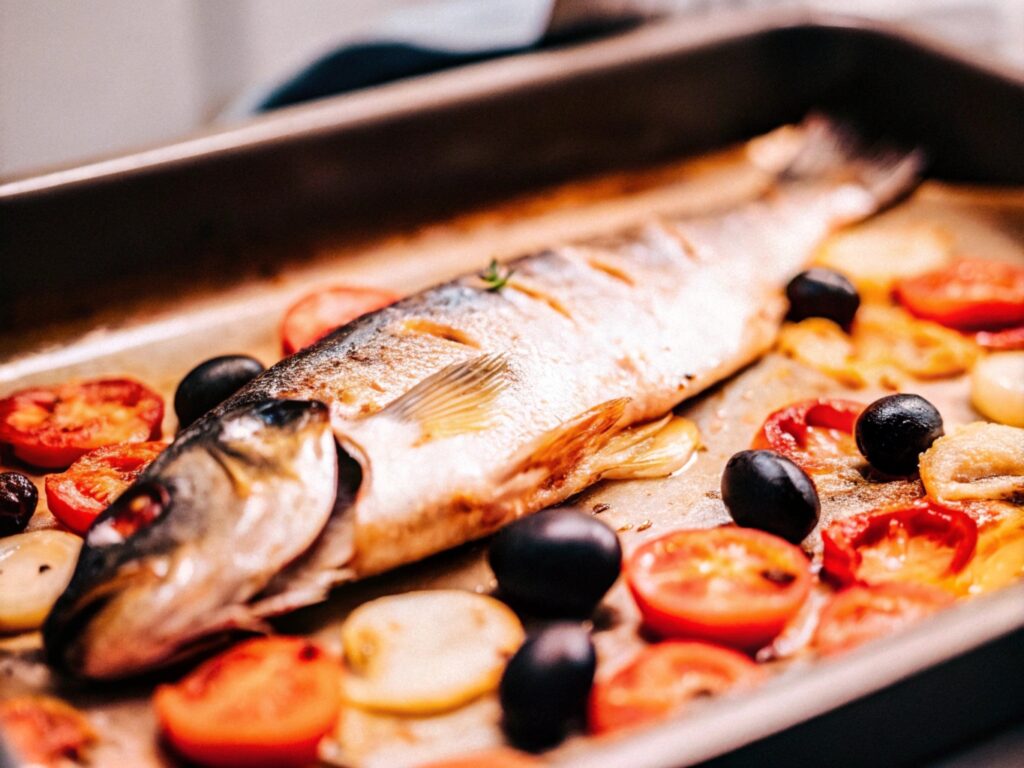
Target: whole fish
[(445, 416)]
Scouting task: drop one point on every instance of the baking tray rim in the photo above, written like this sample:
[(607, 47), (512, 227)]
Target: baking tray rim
[(659, 38)]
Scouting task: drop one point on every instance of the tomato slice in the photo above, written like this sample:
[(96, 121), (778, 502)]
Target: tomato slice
[(811, 432), (922, 540), (265, 702), (1006, 340), (969, 295), (860, 613), (662, 680), (77, 495), (50, 427), (44, 731), (736, 586), (492, 758), (314, 316)]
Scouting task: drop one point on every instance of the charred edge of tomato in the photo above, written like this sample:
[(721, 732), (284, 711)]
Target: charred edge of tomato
[(843, 539)]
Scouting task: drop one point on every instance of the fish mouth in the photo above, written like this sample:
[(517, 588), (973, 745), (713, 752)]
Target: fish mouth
[(63, 632)]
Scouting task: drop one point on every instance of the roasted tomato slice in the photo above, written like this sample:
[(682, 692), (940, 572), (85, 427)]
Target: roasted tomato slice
[(52, 426), (860, 613), (44, 731), (492, 758), (77, 495), (1006, 340), (265, 702), (737, 586), (662, 679), (969, 295), (920, 541), (811, 432), (314, 316)]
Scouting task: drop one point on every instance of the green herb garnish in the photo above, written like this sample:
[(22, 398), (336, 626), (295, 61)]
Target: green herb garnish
[(496, 276)]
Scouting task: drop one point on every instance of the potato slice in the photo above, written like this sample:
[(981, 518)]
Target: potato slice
[(978, 461), (997, 387), (887, 346), (822, 344), (656, 449), (425, 652), (35, 568), (874, 259), (890, 336), (999, 558)]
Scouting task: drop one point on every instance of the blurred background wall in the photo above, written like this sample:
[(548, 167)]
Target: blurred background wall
[(84, 78)]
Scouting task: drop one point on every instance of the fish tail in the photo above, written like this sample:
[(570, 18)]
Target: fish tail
[(825, 150)]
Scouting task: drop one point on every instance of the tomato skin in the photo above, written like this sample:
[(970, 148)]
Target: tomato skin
[(45, 731), (972, 294), (492, 758), (862, 613), (1006, 340), (317, 314), (662, 679), (265, 703), (765, 591), (843, 539), (51, 427), (77, 495), (785, 431)]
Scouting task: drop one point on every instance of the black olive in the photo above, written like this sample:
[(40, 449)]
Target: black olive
[(767, 491), (822, 292), (546, 684), (556, 563), (211, 383), (895, 430), (18, 499)]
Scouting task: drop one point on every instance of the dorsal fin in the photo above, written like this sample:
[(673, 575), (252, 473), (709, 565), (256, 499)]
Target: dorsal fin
[(456, 399)]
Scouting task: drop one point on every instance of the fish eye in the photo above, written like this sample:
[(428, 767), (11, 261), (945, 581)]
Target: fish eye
[(282, 413)]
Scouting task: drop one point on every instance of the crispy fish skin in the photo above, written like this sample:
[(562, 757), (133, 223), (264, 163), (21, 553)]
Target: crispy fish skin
[(468, 405)]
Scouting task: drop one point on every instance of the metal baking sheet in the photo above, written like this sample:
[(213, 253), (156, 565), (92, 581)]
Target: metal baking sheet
[(256, 214)]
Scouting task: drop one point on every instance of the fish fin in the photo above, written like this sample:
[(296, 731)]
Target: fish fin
[(456, 399), (832, 150), (655, 449), (560, 450)]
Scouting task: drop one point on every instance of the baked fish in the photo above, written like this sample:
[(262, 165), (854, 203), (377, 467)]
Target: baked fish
[(443, 417)]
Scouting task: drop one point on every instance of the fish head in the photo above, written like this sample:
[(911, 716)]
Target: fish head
[(171, 564)]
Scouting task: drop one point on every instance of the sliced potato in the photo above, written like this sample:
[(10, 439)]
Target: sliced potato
[(886, 346), (997, 388), (35, 568), (889, 336), (428, 651), (822, 344), (656, 449), (874, 259), (999, 557), (979, 461)]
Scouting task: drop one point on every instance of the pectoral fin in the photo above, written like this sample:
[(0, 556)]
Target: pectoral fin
[(456, 399), (569, 445)]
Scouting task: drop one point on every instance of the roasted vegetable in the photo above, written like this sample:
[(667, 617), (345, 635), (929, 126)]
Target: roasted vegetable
[(428, 651)]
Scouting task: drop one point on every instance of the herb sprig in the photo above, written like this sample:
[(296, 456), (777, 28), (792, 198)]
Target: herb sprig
[(496, 276)]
